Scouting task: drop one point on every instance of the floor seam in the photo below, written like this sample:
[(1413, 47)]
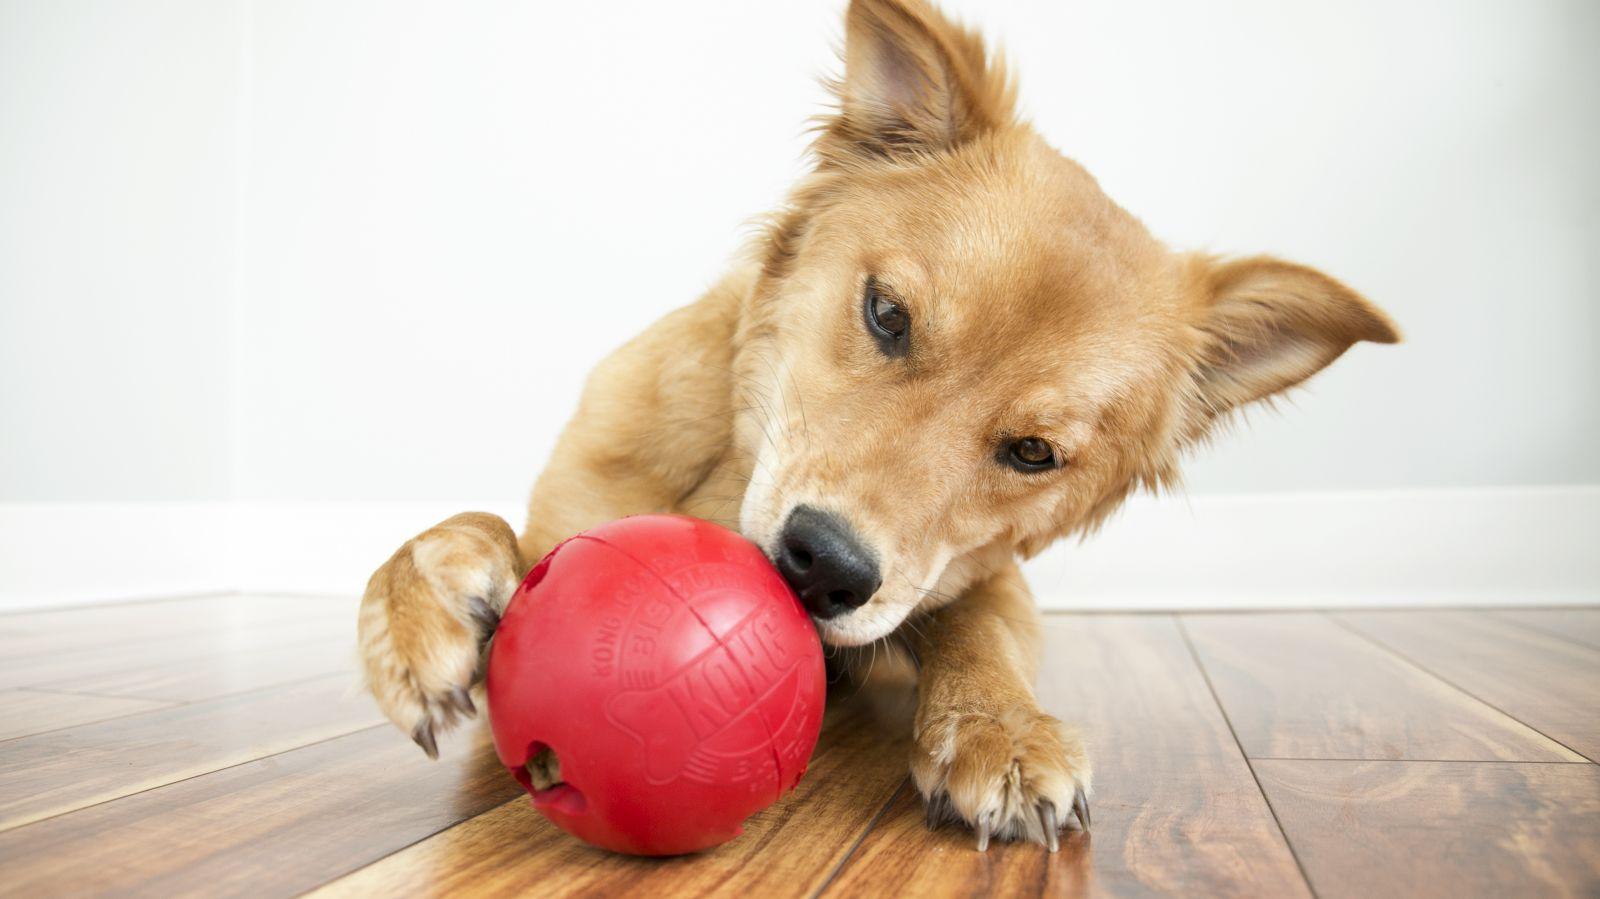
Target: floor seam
[(399, 849), (171, 783), (159, 706), (1194, 654), (290, 640), (1452, 684), (57, 691), (1536, 630), (833, 874), (170, 703)]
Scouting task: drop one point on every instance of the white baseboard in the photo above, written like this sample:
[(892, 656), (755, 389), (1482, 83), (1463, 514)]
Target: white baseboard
[(1488, 546), (334, 547), (1479, 546), (55, 554)]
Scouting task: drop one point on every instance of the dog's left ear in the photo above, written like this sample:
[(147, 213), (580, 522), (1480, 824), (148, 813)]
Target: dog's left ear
[(913, 82), (1265, 325)]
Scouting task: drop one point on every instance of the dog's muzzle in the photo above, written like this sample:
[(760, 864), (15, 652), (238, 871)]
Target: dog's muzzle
[(825, 562)]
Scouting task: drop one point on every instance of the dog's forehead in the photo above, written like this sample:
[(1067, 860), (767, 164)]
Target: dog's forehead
[(1022, 234), (1043, 271), (1060, 385)]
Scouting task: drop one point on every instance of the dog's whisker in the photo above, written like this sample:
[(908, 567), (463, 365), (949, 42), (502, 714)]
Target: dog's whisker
[(777, 382)]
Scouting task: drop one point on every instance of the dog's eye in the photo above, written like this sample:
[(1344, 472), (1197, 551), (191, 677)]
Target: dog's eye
[(890, 318), (888, 321), (1031, 454)]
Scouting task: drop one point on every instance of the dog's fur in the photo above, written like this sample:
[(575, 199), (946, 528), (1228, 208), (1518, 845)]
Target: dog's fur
[(1038, 308)]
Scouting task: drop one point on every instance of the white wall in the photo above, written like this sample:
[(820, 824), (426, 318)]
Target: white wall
[(453, 213), (318, 250), (117, 207)]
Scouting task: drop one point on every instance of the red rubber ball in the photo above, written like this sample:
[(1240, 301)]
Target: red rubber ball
[(672, 674)]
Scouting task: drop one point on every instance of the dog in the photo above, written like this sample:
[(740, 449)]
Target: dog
[(946, 351)]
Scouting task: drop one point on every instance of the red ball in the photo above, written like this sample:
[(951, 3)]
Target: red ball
[(670, 670)]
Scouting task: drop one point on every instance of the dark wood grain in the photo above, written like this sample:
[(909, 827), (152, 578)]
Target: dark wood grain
[(299, 786), (1301, 686), (1549, 683), (27, 712), (1582, 625), (272, 827), (1176, 810), (901, 857), (1446, 829), (63, 770), (785, 851)]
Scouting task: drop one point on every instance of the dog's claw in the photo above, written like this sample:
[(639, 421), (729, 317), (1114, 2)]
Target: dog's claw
[(462, 699), (1052, 827), (423, 734), (983, 836), (1080, 808)]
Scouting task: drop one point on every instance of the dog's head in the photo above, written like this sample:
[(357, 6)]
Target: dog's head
[(960, 349)]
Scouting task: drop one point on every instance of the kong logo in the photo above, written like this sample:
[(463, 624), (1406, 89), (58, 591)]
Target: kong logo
[(733, 712)]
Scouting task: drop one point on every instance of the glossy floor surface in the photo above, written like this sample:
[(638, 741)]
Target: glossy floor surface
[(218, 746)]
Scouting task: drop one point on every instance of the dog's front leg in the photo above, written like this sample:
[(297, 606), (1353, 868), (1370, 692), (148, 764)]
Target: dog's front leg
[(983, 750), (654, 421)]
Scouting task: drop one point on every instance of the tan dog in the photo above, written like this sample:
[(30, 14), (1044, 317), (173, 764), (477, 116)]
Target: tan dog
[(950, 349)]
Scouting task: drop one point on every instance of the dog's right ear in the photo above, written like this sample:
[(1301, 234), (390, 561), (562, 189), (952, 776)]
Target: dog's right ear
[(913, 83), (1266, 325)]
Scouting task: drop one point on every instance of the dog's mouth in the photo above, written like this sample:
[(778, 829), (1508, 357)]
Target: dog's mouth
[(872, 621), (847, 632)]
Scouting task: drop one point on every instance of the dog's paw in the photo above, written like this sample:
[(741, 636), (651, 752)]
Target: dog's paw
[(426, 617), (1012, 775)]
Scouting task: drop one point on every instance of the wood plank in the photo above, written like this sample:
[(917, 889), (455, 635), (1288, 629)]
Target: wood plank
[(1447, 829), (1582, 625), (71, 661), (786, 850), (272, 827), (1176, 810), (211, 676), (57, 772), (1301, 686), (1546, 682), (27, 712), (35, 633), (900, 853)]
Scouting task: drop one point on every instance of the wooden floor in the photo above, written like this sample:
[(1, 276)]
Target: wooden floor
[(217, 746)]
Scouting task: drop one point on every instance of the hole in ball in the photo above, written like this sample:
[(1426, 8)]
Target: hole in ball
[(544, 769), (541, 777)]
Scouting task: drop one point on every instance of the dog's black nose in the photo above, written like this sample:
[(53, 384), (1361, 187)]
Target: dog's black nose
[(825, 562)]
